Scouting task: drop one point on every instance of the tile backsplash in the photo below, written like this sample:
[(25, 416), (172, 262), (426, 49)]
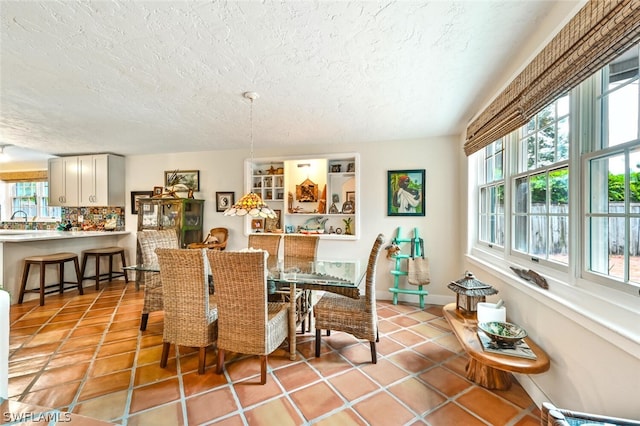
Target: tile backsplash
[(93, 219)]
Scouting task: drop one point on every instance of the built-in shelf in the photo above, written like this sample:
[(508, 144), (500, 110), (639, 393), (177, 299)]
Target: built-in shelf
[(301, 189)]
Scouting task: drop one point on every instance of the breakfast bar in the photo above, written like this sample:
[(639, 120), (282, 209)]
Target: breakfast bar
[(488, 369), (15, 245)]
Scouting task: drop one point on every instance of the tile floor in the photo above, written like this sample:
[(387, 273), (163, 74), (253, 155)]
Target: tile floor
[(86, 355)]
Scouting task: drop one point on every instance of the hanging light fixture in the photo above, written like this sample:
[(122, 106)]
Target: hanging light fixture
[(251, 204)]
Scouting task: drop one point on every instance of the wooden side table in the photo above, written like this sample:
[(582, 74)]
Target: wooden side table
[(487, 369)]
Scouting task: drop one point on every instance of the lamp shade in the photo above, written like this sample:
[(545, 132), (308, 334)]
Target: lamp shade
[(251, 204)]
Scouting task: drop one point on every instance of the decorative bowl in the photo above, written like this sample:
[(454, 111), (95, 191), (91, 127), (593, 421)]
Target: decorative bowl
[(503, 332)]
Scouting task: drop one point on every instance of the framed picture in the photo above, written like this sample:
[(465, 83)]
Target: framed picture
[(351, 196), (157, 190), (189, 178), (135, 195), (351, 167), (257, 224), (271, 225), (224, 200), (405, 192)]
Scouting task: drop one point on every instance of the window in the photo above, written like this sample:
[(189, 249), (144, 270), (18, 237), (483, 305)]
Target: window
[(541, 187), (492, 195), (613, 176), (33, 199), (526, 176)]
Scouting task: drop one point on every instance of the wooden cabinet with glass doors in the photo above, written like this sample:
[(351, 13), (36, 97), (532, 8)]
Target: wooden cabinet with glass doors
[(185, 215)]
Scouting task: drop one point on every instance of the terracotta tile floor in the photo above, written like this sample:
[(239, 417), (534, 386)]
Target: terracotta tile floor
[(85, 355)]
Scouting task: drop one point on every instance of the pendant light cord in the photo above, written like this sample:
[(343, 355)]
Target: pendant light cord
[(251, 130)]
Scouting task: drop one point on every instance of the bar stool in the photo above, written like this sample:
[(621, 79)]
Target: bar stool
[(50, 259), (98, 253)]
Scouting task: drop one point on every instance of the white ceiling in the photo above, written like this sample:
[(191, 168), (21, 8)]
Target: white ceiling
[(134, 77)]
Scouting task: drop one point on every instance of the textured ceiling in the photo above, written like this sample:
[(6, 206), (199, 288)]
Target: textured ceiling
[(134, 77)]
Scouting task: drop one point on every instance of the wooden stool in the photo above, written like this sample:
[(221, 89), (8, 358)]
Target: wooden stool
[(51, 259), (99, 252)]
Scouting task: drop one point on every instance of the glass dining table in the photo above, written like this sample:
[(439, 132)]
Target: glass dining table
[(343, 277)]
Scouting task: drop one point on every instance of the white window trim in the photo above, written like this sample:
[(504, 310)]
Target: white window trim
[(572, 292)]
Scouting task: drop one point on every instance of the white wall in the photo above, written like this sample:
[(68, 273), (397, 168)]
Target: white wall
[(223, 171)]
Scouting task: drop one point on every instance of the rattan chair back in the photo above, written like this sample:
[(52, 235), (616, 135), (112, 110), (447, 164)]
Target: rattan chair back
[(354, 316), (148, 242), (269, 243), (189, 316), (300, 251), (247, 323)]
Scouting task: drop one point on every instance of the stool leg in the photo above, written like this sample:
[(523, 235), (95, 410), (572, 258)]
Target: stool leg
[(124, 263), (43, 266), (97, 272), (110, 267), (78, 275), (84, 264), (23, 283), (61, 272)]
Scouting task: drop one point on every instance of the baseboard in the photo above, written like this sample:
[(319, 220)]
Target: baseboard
[(534, 392)]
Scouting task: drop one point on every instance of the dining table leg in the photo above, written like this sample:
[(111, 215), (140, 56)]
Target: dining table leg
[(292, 321)]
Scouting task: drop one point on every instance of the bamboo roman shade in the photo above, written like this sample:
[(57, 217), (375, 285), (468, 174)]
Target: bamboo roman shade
[(600, 31)]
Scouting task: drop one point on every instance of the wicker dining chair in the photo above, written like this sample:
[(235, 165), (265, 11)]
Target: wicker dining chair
[(215, 240), (148, 242), (248, 323), (354, 316), (190, 314), (269, 243), (299, 252)]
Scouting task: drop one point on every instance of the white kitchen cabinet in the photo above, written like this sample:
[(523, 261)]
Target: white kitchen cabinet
[(87, 180), (101, 180), (63, 181)]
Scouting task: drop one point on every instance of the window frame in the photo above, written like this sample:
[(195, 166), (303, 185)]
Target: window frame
[(585, 132)]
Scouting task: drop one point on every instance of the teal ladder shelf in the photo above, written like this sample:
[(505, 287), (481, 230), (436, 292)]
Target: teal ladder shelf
[(399, 271)]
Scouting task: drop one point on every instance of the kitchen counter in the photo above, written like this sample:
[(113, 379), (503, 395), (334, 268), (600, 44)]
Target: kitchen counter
[(20, 236), (16, 244)]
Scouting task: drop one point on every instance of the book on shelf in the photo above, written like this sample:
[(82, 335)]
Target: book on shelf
[(519, 349)]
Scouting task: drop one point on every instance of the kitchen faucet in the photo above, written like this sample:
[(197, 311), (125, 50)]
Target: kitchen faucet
[(26, 217)]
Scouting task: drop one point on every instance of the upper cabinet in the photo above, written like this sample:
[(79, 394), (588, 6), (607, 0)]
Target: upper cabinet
[(63, 181), (312, 195), (87, 180)]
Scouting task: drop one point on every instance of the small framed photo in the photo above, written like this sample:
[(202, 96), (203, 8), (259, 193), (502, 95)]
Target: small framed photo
[(336, 168), (351, 167), (271, 225), (189, 178), (405, 192), (257, 224), (224, 200), (351, 196), (157, 191), (135, 195)]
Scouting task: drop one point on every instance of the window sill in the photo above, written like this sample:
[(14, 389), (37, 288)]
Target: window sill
[(617, 316)]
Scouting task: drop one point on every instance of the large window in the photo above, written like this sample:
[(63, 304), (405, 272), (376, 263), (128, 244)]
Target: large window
[(32, 198), (613, 167), (491, 177), (541, 186), (587, 141)]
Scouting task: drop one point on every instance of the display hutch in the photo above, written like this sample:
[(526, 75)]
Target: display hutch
[(311, 195), (182, 214)]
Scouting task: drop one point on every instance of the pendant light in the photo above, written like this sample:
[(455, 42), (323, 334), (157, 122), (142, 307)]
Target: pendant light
[(251, 204)]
